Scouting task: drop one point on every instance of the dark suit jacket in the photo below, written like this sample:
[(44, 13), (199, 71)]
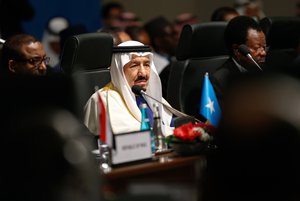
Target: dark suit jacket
[(222, 76)]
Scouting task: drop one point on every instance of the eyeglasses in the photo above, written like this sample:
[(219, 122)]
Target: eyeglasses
[(259, 49), (36, 61)]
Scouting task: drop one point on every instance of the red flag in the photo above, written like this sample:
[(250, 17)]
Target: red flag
[(102, 121), (105, 131)]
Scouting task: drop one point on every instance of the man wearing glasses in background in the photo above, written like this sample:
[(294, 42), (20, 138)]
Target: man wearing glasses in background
[(23, 54), (245, 31)]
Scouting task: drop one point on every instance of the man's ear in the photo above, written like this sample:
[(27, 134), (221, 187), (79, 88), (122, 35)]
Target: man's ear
[(236, 51), (12, 65)]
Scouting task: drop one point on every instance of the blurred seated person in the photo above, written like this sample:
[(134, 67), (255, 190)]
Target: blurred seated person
[(138, 33), (240, 30), (129, 19), (297, 9), (132, 64), (118, 34), (51, 39), (183, 19), (224, 14), (111, 14), (163, 41), (251, 8), (23, 54)]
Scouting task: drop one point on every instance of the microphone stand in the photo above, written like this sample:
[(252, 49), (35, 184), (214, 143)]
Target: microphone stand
[(251, 58), (170, 109), (244, 50)]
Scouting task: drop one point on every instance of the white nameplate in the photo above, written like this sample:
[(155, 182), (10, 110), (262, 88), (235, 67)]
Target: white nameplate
[(131, 147)]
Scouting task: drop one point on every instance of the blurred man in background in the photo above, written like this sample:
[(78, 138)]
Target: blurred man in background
[(224, 14), (51, 39), (111, 14), (164, 43)]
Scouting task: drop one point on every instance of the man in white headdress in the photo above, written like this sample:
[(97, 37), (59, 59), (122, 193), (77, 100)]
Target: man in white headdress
[(132, 64), (51, 38)]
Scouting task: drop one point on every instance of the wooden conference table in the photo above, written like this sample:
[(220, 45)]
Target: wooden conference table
[(169, 174)]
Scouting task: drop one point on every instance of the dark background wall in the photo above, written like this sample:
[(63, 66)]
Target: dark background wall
[(88, 11), (202, 8), (85, 12)]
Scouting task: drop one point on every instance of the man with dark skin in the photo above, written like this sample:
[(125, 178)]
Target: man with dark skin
[(224, 13), (240, 30), (163, 40), (111, 14), (23, 54)]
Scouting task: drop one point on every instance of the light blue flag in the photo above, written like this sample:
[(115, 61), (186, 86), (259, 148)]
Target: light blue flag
[(209, 106)]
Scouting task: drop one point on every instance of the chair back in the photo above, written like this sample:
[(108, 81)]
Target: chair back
[(86, 57), (282, 32), (201, 49), (86, 83), (282, 35), (202, 40), (88, 51), (185, 83)]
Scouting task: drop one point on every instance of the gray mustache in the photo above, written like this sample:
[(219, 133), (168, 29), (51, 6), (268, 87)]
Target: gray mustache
[(141, 79)]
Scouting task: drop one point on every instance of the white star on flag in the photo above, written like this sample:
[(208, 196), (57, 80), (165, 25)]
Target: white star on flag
[(210, 105)]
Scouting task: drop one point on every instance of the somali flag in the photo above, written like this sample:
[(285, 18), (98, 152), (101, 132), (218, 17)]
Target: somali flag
[(209, 106)]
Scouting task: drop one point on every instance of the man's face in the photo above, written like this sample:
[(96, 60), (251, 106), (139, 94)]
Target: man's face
[(256, 42), (257, 45), (137, 71), (113, 20), (33, 62)]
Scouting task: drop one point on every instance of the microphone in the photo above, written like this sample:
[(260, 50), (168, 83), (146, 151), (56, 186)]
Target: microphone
[(138, 90), (244, 50)]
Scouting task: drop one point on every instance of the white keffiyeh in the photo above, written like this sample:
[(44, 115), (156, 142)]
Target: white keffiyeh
[(120, 101), (154, 88)]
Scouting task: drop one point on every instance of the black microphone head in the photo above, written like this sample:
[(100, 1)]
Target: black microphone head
[(136, 89), (244, 50)]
